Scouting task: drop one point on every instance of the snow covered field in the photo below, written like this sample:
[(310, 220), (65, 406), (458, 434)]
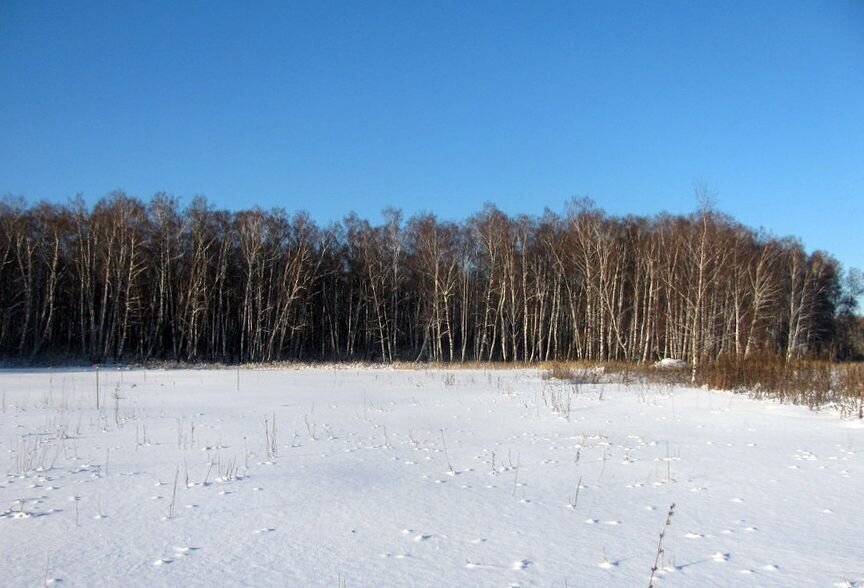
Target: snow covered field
[(379, 477)]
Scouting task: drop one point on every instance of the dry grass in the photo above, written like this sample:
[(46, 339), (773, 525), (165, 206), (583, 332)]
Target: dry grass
[(811, 382), (559, 370)]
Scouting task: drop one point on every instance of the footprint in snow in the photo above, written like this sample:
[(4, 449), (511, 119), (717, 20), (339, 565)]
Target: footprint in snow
[(720, 557), (694, 536), (770, 568), (162, 562), (521, 564)]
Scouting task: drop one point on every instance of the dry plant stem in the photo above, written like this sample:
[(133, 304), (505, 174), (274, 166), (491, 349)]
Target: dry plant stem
[(267, 437), (668, 462), (116, 396), (310, 428), (660, 551), (207, 477), (47, 565), (446, 456), (273, 446), (173, 504), (516, 478), (603, 465), (578, 487)]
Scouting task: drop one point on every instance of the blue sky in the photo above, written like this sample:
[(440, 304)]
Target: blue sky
[(442, 106)]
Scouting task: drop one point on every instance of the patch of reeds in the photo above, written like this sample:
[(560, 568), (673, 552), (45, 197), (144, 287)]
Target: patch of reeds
[(811, 382)]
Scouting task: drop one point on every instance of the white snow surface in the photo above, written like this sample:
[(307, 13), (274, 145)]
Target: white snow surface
[(360, 490), (668, 363)]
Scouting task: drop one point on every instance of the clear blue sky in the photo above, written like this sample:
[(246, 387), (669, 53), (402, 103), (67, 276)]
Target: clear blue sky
[(442, 106)]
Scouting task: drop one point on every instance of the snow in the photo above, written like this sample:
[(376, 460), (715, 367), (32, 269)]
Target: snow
[(382, 477), (668, 363)]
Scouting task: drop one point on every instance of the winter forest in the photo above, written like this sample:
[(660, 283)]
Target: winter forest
[(135, 280)]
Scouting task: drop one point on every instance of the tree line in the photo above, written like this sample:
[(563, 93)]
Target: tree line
[(128, 279)]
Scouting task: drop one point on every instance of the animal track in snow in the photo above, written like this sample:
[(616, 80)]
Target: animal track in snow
[(184, 551)]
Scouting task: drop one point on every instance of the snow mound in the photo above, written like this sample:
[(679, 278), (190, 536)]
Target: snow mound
[(667, 363)]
